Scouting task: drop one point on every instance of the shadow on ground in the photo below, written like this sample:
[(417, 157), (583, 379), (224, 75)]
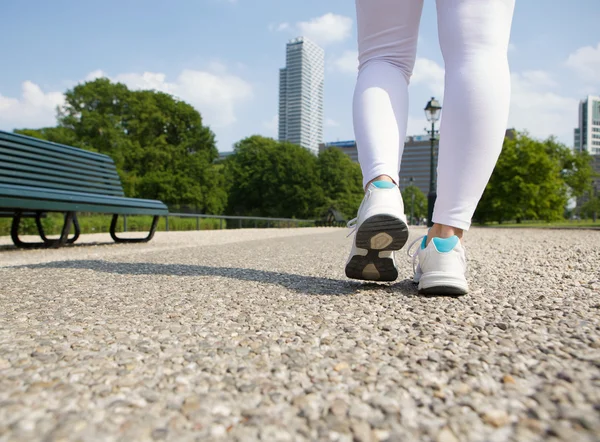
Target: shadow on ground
[(311, 285), (13, 248)]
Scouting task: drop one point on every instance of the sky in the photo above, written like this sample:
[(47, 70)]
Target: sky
[(224, 56)]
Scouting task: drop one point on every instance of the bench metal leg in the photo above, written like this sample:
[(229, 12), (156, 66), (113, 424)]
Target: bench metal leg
[(47, 243), (38, 222), (113, 234)]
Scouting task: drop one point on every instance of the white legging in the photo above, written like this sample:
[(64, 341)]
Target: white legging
[(474, 36)]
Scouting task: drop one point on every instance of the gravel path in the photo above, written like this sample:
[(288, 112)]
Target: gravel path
[(257, 335)]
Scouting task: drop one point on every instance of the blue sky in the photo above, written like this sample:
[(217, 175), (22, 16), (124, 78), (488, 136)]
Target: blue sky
[(223, 57)]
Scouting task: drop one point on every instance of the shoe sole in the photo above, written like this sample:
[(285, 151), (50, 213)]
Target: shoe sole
[(442, 285), (379, 233)]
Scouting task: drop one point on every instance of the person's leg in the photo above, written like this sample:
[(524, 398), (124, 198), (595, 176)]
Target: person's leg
[(474, 37), (387, 45)]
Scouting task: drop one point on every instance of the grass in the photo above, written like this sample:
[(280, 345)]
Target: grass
[(579, 224), (97, 223)]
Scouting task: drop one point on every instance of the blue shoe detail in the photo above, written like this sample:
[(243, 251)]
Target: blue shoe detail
[(424, 243), (445, 245), (384, 184)]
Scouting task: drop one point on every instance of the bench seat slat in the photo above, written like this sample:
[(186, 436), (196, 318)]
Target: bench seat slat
[(34, 183), (39, 176), (33, 194), (62, 195), (16, 162), (29, 152), (66, 206), (54, 148), (74, 183)]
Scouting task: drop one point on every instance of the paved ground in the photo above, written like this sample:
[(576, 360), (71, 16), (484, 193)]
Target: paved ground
[(247, 335)]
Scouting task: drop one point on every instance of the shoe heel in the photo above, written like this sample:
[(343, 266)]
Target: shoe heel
[(382, 233), (442, 284)]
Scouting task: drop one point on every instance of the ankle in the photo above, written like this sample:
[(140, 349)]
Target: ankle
[(380, 178), (444, 231)]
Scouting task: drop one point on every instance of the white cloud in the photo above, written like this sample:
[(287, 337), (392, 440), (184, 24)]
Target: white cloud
[(537, 108), (347, 62), (329, 122), (98, 73), (272, 126), (429, 73), (329, 28), (586, 62), (214, 93), (416, 126), (540, 79), (279, 27), (35, 108)]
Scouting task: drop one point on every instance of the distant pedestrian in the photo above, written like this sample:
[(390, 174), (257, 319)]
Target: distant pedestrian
[(474, 37)]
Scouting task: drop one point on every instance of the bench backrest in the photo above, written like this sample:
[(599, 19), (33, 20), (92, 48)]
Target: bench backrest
[(27, 161)]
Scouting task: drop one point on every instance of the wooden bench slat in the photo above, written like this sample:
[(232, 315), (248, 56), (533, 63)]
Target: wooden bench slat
[(33, 183), (22, 150), (54, 148), (9, 160), (66, 183), (8, 190), (38, 176), (67, 206), (15, 169)]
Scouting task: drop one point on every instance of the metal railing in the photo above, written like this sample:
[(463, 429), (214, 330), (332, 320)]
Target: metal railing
[(271, 222)]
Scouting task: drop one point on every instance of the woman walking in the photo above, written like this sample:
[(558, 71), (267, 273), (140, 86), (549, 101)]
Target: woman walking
[(474, 37)]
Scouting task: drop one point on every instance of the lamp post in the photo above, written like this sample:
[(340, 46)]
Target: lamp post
[(432, 112), (412, 202)]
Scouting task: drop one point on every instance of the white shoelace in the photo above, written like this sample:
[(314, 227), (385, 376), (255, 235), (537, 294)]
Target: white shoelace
[(351, 225), (414, 255)]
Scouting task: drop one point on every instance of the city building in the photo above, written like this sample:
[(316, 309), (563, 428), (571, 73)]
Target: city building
[(416, 158), (301, 94), (348, 147), (223, 156), (587, 135)]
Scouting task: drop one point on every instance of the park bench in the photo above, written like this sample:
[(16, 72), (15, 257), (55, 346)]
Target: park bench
[(332, 218), (38, 177)]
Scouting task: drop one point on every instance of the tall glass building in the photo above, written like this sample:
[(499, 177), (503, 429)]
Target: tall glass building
[(301, 94), (587, 135)]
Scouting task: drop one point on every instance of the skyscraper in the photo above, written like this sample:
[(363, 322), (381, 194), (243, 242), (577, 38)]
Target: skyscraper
[(587, 135), (301, 94)]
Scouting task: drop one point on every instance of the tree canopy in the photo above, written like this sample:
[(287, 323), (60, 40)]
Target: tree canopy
[(159, 144), (271, 178), (533, 180), (163, 151), (420, 202)]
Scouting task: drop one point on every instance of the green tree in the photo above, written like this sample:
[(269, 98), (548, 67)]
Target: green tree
[(533, 180), (420, 202), (59, 135), (591, 208), (275, 179), (159, 144), (341, 181)]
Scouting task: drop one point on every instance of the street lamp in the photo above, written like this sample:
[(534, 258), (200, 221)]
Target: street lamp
[(432, 112), (412, 203)]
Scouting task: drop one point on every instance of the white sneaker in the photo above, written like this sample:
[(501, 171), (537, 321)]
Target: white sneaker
[(381, 228), (441, 268)]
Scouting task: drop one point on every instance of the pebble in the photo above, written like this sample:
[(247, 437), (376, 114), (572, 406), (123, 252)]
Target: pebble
[(496, 418), (253, 334), (446, 435)]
